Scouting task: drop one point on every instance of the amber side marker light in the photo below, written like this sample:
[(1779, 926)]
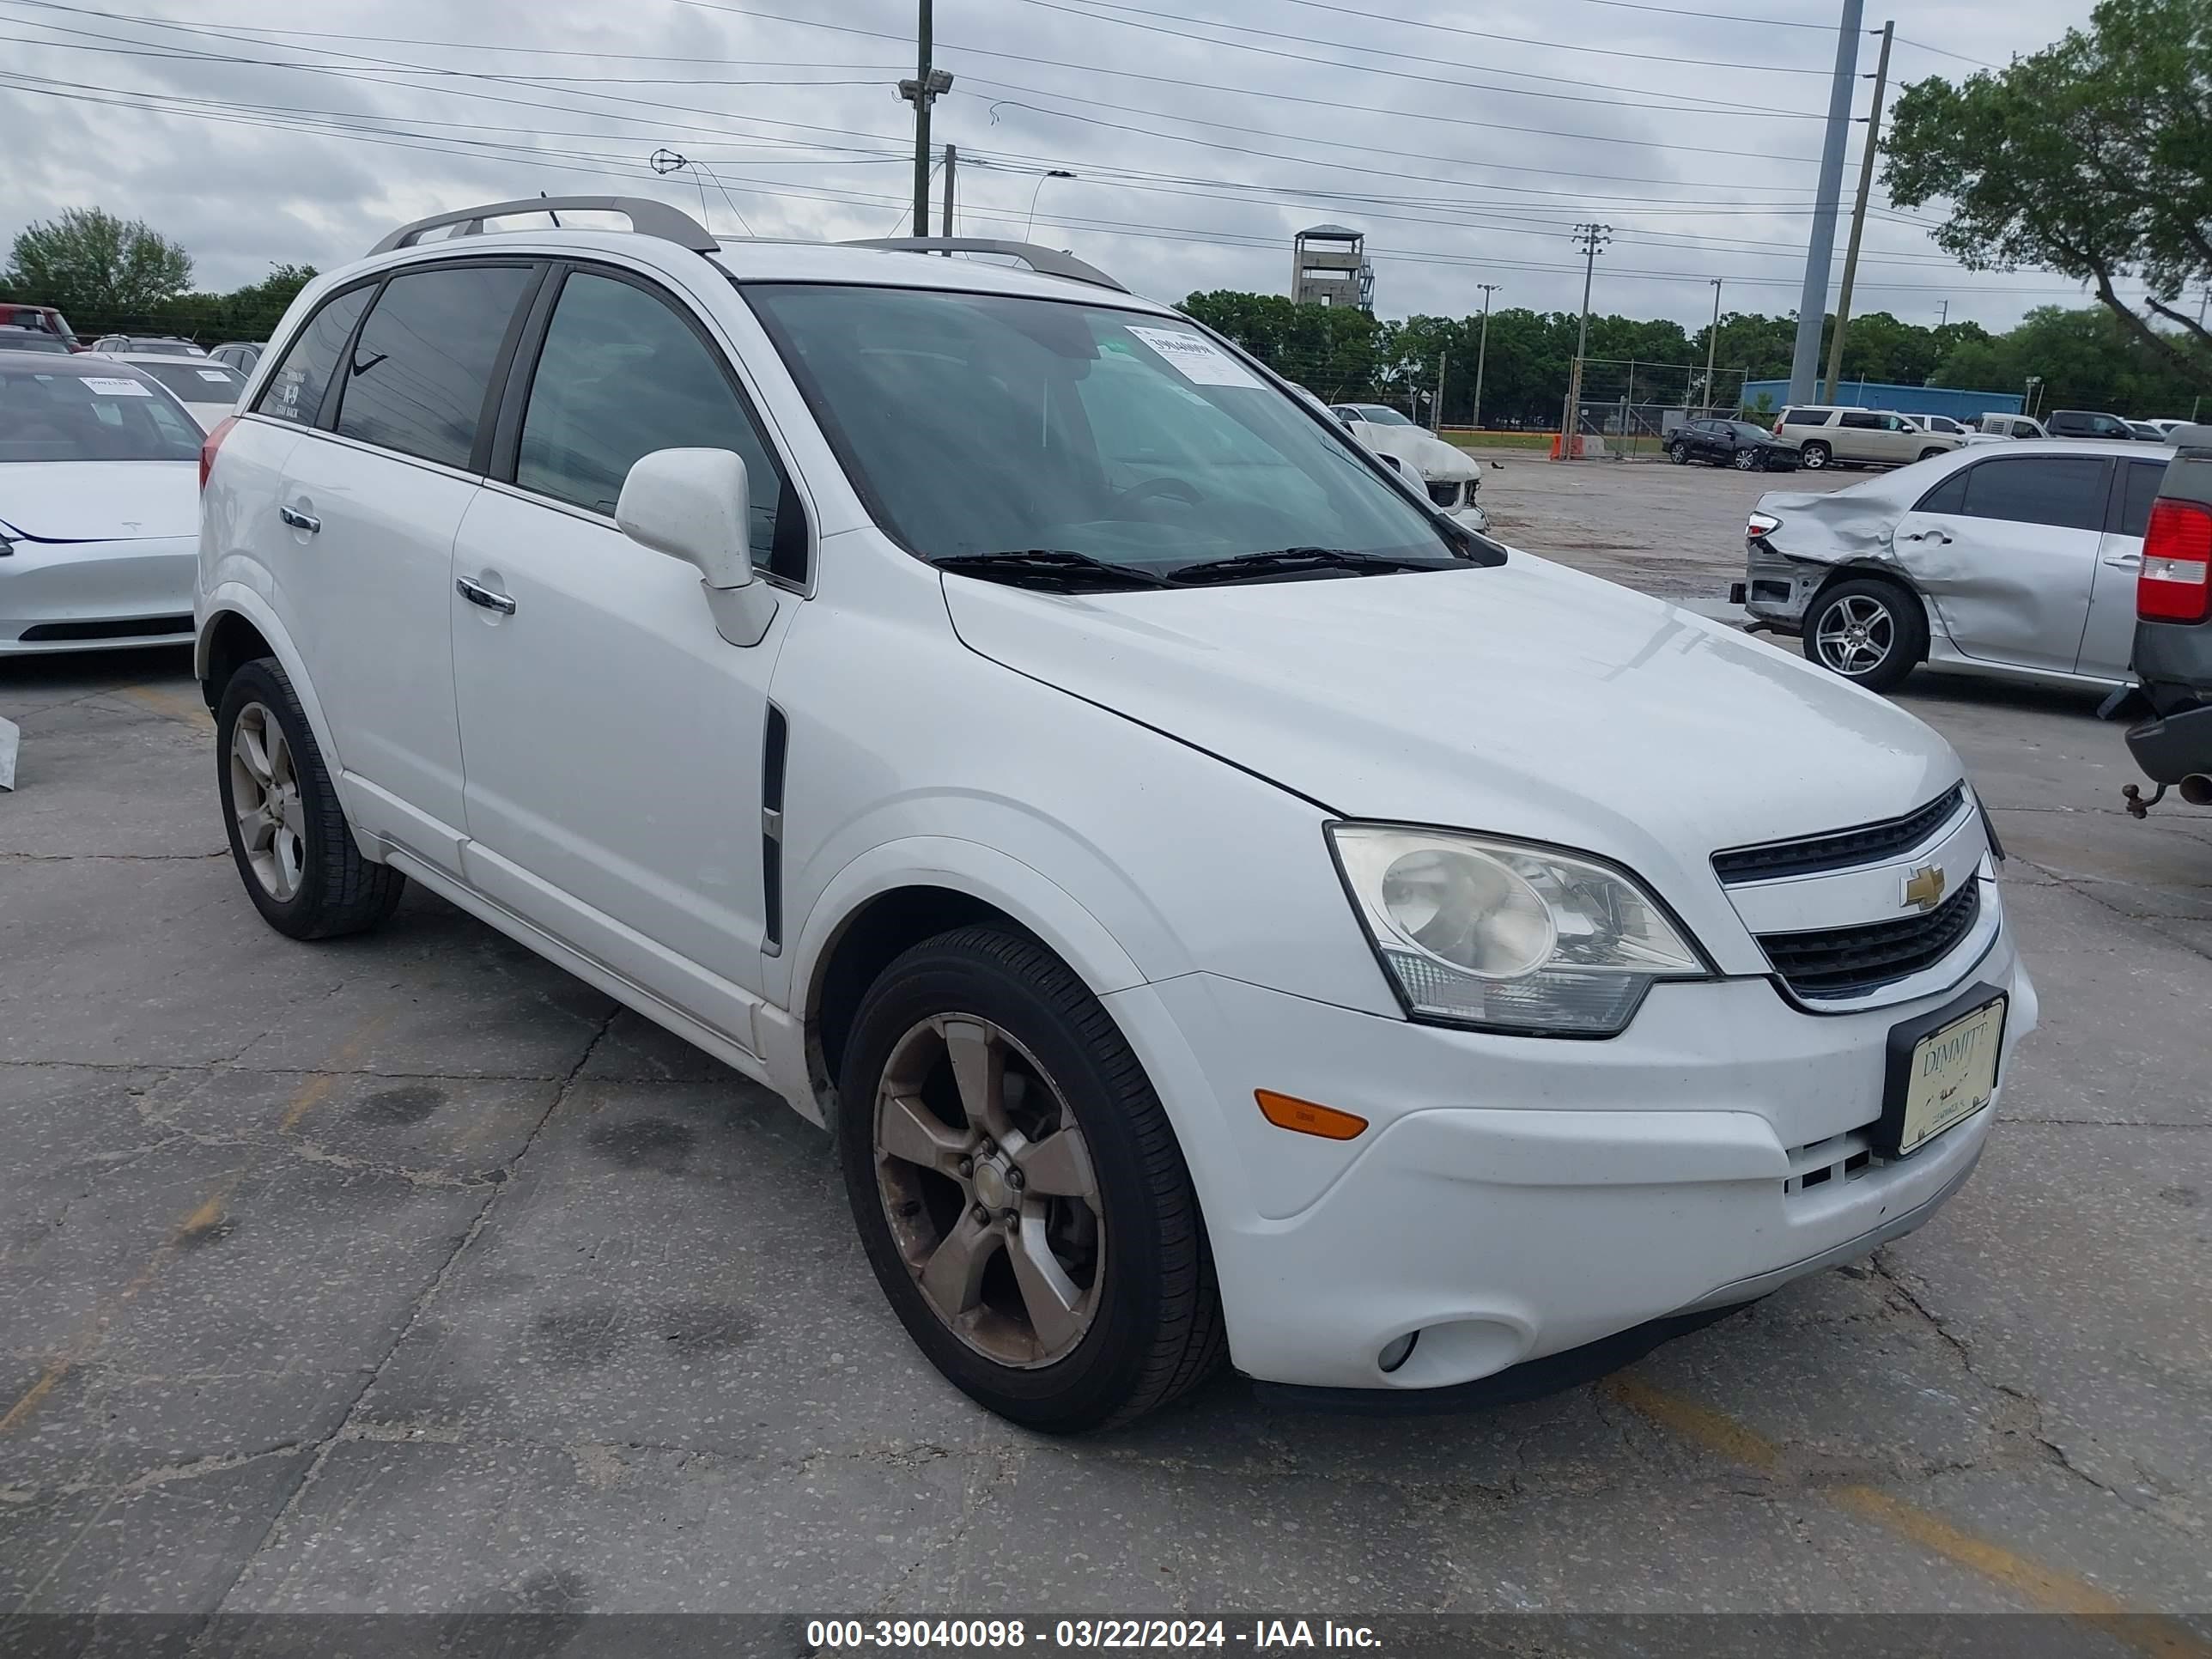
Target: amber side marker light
[(1303, 1117)]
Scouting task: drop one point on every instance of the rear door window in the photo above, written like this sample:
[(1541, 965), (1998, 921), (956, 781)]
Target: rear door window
[(424, 360), (1860, 421), (2138, 490), (2066, 491), (294, 392)]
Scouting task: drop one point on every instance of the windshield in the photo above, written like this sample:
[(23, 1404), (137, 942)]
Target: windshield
[(162, 348), (1380, 415), (24, 340), (977, 424), (89, 417), (198, 382)]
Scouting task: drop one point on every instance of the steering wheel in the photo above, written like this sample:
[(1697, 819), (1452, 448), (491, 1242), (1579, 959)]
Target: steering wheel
[(1175, 489)]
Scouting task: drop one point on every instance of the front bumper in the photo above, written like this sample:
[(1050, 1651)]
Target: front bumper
[(96, 596), (1519, 1198)]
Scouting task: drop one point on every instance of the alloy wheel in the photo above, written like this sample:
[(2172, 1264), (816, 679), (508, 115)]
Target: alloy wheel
[(1746, 460), (1856, 634), (989, 1189), (265, 795)]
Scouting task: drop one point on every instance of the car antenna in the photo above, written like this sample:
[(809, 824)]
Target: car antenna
[(554, 213)]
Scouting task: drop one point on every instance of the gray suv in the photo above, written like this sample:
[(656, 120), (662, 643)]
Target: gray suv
[(2172, 736)]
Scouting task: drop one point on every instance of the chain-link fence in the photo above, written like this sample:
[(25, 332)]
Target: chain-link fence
[(1624, 410)]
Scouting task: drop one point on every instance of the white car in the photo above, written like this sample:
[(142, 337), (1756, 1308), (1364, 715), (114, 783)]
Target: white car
[(1224, 907), (98, 507), (1446, 472), (208, 390)]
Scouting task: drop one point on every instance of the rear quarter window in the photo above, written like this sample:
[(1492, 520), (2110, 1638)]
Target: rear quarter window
[(295, 392)]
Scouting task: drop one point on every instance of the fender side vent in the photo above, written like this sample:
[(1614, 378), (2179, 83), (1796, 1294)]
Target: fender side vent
[(776, 740)]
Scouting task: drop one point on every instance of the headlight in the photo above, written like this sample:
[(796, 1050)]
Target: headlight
[(1506, 936)]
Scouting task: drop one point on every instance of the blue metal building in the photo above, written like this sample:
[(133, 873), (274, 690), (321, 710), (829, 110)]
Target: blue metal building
[(1966, 406)]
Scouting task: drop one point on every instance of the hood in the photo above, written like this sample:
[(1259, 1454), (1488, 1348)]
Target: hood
[(100, 500), (1524, 699), (1431, 456)]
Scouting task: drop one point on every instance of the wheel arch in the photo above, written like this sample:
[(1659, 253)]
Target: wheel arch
[(897, 895), (236, 620)]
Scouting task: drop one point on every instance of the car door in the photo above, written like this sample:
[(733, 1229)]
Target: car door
[(2005, 550), (1858, 437), (614, 739), (370, 500), (2108, 641)]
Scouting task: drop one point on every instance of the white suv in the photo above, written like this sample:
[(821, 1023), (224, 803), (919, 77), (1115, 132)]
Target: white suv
[(1215, 901)]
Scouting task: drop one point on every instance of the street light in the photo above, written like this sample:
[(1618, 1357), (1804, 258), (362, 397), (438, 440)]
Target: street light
[(1028, 234)]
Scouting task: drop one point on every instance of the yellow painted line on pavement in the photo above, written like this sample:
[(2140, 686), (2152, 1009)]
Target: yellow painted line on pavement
[(203, 1218), (2046, 1588), (171, 704)]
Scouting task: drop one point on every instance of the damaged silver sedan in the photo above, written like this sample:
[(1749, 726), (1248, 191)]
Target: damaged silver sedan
[(2017, 560)]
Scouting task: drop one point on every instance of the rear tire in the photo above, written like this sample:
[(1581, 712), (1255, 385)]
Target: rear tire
[(1868, 631), (1068, 1288), (288, 835), (1814, 456)]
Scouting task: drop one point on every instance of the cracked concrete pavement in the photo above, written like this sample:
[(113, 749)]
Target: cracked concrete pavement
[(407, 1273)]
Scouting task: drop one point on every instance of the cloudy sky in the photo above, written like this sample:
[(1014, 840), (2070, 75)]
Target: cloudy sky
[(1463, 136)]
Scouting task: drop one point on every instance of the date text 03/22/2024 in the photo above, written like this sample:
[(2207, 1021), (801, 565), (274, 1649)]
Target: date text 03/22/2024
[(1005, 1635)]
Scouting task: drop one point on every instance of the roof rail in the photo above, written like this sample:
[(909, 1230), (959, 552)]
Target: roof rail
[(1045, 261), (646, 218)]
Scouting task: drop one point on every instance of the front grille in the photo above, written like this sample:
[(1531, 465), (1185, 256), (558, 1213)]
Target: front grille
[(1444, 495), (1841, 849), (1842, 961), (150, 627)]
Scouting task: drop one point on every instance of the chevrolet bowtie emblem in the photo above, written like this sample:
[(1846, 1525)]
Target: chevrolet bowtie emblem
[(1924, 888)]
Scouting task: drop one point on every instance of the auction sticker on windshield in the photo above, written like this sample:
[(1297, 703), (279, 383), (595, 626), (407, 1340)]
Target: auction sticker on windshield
[(108, 388), (1196, 358), (1942, 1070)]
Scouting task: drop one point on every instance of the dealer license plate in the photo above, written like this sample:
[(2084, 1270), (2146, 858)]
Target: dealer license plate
[(1949, 1074)]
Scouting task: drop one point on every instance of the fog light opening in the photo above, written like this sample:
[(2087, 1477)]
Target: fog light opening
[(1396, 1351)]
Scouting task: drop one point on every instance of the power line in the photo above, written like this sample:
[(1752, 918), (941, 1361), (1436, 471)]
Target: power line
[(1379, 51), (1625, 5), (1099, 68), (1944, 52)]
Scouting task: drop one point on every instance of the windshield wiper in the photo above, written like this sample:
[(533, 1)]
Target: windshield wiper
[(1277, 560), (1049, 567)]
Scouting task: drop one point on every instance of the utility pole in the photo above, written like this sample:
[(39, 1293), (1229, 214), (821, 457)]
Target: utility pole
[(951, 171), (1482, 351), (1858, 214), (1712, 343), (1944, 321), (1591, 238), (1821, 250), (1437, 408), (927, 86)]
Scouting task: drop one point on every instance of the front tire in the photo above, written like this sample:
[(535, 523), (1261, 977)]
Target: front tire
[(1680, 453), (1019, 1190), (288, 835), (1872, 633), (1930, 454), (1750, 460), (1814, 456)]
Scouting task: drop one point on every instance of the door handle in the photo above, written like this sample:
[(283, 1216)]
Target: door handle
[(299, 520), (1927, 535), (2126, 561), (477, 594)]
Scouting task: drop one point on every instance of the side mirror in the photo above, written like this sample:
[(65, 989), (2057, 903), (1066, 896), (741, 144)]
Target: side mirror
[(1390, 461), (692, 504)]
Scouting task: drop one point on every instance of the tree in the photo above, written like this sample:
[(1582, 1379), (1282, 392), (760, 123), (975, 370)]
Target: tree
[(89, 261), (2092, 157)]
